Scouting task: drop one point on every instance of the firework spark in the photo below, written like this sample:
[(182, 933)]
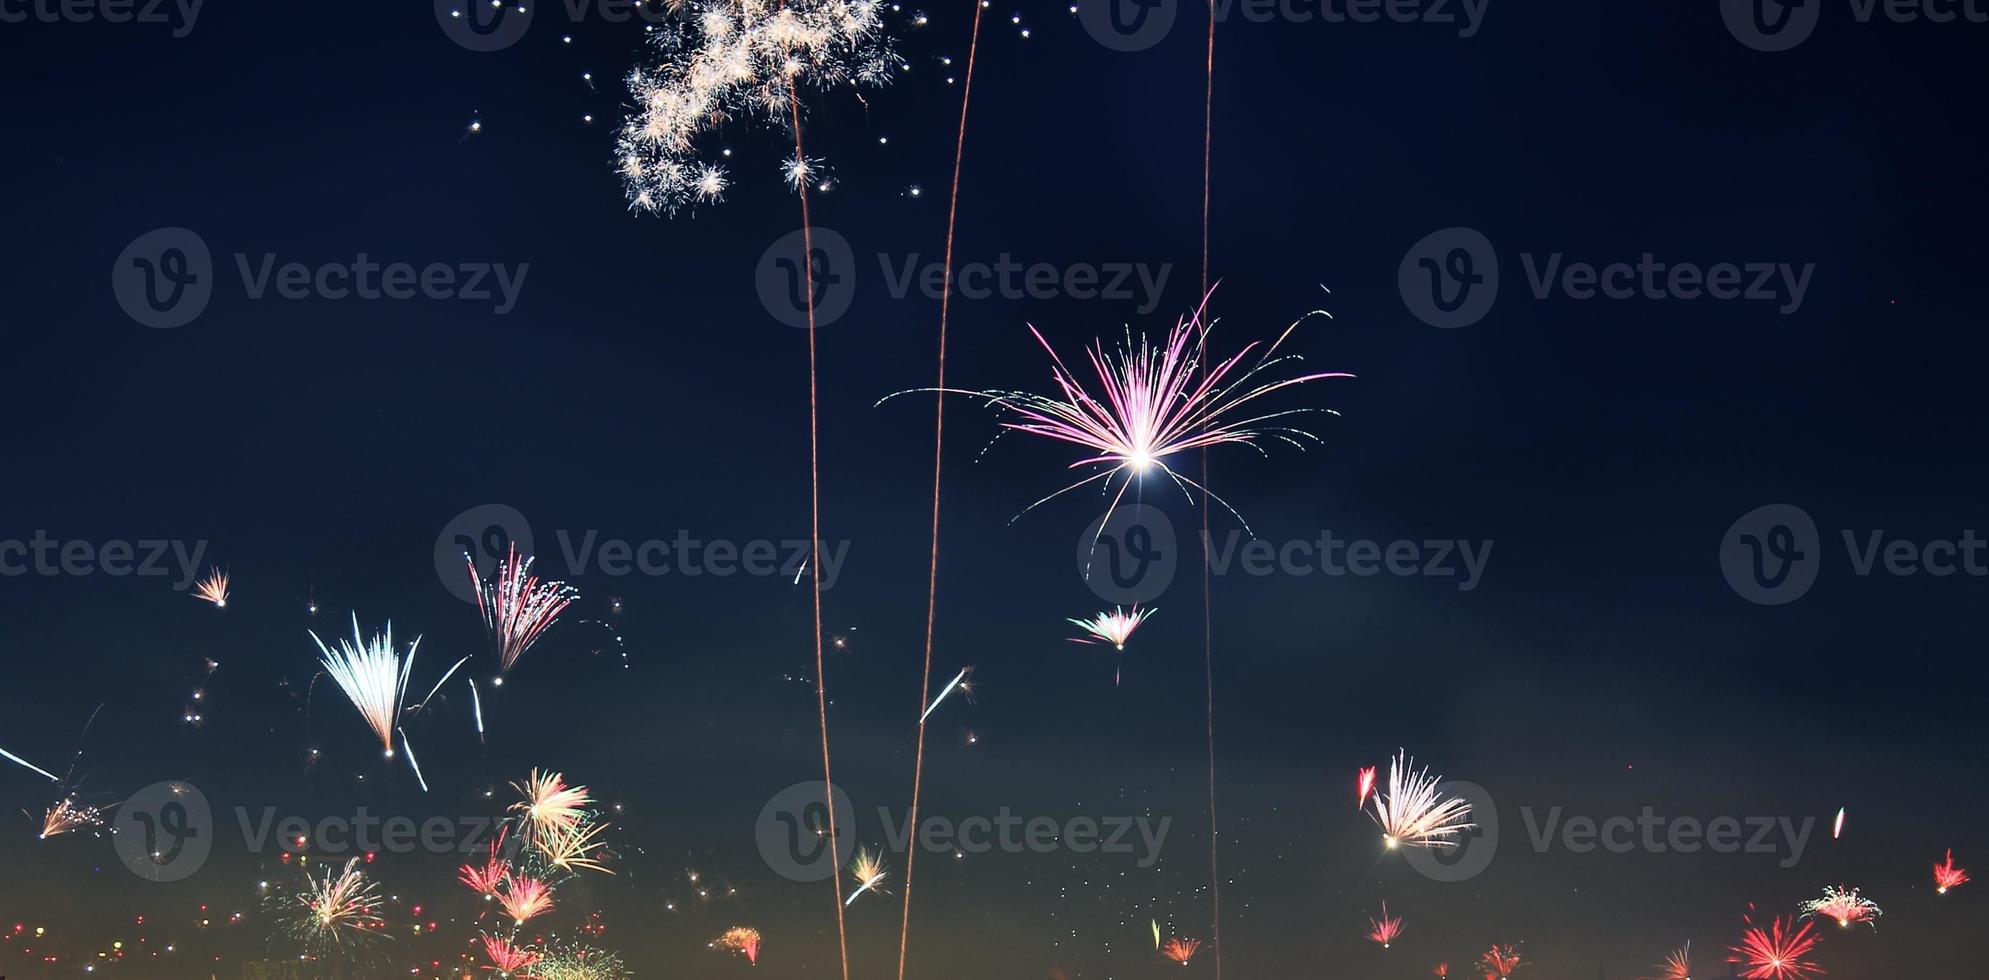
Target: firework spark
[(373, 675), (517, 607), (1947, 876), (572, 849), (1777, 952), (1844, 905), (213, 588), (68, 815), (550, 807), (1412, 812), (508, 958), (958, 683), (524, 897), (1677, 964), (725, 59), (1499, 961), (868, 870), (485, 879), (1384, 930), (336, 909), (1363, 787), (1154, 402), (741, 939), (1180, 950)]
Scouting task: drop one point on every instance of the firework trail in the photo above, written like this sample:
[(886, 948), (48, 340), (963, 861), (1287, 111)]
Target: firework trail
[(1363, 787), (550, 807), (1844, 905), (1180, 950), (1500, 961), (741, 939), (31, 767), (959, 683), (1677, 965), (68, 815), (1837, 825), (373, 676), (1777, 952), (1384, 930), (451, 672), (1152, 406), (508, 958), (336, 909), (524, 897), (725, 59), (1947, 876), (517, 607), (868, 870), (213, 588), (1412, 812)]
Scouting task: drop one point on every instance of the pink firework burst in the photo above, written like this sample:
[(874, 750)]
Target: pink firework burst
[(744, 940), (1384, 930), (1776, 953), (1363, 787), (486, 878), (1500, 961), (1115, 627), (1845, 906), (517, 607), (1154, 402), (1180, 950), (506, 957), (525, 897), (1947, 875), (1677, 964)]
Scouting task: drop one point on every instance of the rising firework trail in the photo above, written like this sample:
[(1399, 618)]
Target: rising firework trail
[(1363, 787), (958, 682), (31, 767)]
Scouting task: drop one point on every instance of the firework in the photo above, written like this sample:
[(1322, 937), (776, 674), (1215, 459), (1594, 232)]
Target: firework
[(576, 962), (550, 807), (725, 59), (1947, 876), (1180, 950), (508, 958), (1837, 825), (31, 767), (1363, 787), (1413, 813), (524, 897), (741, 939), (213, 588), (868, 870), (373, 676), (1152, 405), (517, 607), (1441, 971), (572, 849), (1156, 934), (1777, 952), (68, 815), (334, 910), (959, 682), (1499, 961), (1677, 965), (1384, 930), (1115, 627), (486, 878), (1844, 905)]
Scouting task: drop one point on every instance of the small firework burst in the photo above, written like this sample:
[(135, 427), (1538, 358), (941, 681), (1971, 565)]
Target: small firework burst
[(67, 816), (213, 588), (572, 961), (1844, 905), (373, 675), (524, 897), (1115, 627), (1412, 812), (1363, 787), (744, 940), (868, 870), (573, 849), (517, 607), (1180, 950), (1677, 965), (508, 958), (1441, 971), (1947, 875), (550, 807), (1384, 930), (1776, 953), (486, 878), (1500, 961), (337, 909)]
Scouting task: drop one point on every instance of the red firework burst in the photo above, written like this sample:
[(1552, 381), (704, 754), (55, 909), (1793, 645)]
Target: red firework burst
[(1384, 930), (1947, 876), (1180, 950), (1500, 962), (1776, 953)]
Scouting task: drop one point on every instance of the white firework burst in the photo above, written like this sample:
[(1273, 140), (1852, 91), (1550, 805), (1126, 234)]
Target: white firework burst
[(373, 675), (1412, 812)]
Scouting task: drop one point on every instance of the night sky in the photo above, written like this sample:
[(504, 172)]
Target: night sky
[(322, 449)]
